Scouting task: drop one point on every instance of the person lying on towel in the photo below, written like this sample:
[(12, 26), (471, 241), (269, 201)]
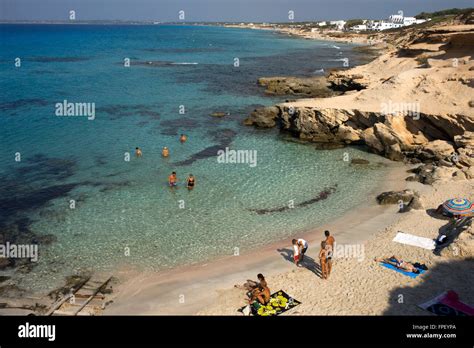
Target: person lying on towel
[(399, 263)]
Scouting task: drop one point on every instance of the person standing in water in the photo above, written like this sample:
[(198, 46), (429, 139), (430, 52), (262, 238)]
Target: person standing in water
[(183, 138), (165, 152), (190, 182), (173, 180), (138, 152)]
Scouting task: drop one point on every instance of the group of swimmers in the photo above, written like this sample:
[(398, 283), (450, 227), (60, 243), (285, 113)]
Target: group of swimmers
[(172, 179), (300, 246)]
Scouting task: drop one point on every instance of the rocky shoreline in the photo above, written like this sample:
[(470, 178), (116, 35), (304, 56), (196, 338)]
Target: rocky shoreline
[(398, 107)]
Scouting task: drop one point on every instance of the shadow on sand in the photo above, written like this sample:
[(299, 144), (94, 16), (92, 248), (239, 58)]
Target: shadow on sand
[(450, 275), (308, 262), (451, 230)]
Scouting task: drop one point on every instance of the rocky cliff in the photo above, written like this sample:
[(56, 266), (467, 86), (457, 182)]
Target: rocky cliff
[(415, 103)]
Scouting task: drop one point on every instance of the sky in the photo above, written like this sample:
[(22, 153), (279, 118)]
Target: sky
[(218, 10)]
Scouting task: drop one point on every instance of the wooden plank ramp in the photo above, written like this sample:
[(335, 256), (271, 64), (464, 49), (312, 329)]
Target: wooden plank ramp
[(88, 299)]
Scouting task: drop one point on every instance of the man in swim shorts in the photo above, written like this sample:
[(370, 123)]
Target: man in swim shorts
[(173, 180), (165, 152)]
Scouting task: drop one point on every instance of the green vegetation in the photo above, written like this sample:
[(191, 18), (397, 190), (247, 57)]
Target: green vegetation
[(353, 22), (448, 12)]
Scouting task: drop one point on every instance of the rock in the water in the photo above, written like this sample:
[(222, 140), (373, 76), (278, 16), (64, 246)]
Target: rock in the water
[(308, 87), (5, 263), (264, 117), (4, 278), (219, 114), (359, 161), (11, 290)]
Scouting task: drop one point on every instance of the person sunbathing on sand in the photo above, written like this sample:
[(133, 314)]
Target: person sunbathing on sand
[(399, 263), (262, 292)]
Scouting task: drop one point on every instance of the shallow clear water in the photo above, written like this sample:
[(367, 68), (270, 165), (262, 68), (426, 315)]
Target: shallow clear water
[(126, 205)]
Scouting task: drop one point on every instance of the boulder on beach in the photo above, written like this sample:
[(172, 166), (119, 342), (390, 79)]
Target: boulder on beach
[(394, 197)]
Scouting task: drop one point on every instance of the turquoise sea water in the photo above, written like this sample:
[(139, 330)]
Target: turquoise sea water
[(125, 207)]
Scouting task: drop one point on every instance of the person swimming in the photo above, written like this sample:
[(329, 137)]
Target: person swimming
[(191, 182), (165, 152), (138, 152), (183, 138), (173, 180)]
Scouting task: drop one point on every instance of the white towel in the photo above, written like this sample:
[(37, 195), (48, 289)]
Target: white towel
[(410, 239)]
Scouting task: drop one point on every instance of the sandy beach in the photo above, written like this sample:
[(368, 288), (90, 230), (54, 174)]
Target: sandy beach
[(431, 155), (358, 284)]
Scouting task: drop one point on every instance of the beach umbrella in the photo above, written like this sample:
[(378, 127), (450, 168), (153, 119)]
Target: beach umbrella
[(458, 207)]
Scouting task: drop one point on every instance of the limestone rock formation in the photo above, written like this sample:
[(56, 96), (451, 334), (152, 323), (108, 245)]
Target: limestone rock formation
[(263, 117), (308, 87)]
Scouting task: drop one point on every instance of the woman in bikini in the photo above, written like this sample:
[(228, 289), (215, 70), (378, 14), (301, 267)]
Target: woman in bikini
[(323, 256), (191, 181), (399, 263)]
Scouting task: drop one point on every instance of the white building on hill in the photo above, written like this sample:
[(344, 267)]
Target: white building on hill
[(394, 21), (339, 24)]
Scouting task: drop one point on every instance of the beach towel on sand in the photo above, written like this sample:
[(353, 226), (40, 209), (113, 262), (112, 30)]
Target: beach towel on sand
[(408, 274), (279, 302), (410, 239), (448, 304)]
